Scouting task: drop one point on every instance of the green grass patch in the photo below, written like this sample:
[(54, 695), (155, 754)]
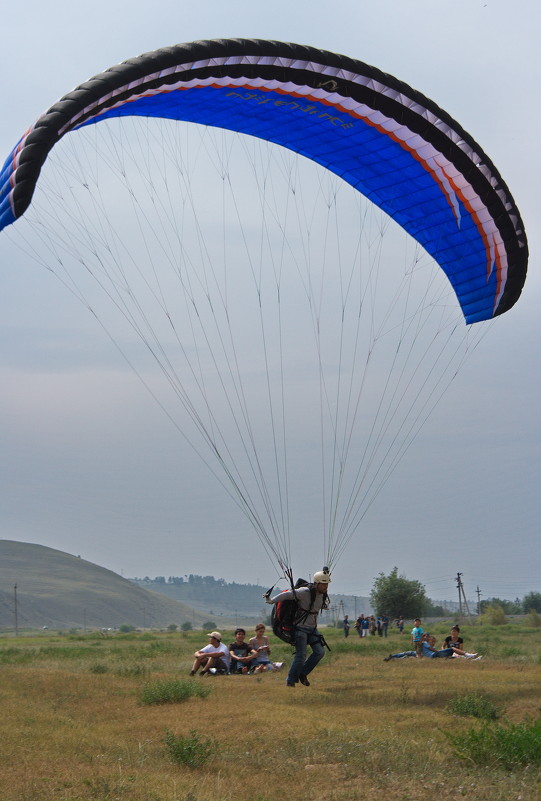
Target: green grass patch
[(173, 691), (192, 750), (98, 668), (473, 705), (509, 746), (16, 656)]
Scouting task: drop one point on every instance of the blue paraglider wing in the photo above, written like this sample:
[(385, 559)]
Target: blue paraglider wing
[(388, 141)]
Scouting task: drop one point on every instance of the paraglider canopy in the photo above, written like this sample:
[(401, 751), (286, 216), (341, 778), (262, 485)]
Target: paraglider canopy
[(390, 142)]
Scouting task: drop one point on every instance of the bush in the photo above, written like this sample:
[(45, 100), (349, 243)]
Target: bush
[(210, 625), (507, 746), (494, 615), (98, 668), (187, 626), (473, 705), (192, 751), (533, 619), (173, 691), (172, 627), (125, 628), (127, 671)]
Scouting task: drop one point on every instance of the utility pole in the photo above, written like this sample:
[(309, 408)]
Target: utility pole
[(479, 593), (462, 600), (15, 608), (459, 586)]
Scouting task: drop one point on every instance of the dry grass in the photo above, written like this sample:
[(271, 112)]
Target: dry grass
[(365, 729)]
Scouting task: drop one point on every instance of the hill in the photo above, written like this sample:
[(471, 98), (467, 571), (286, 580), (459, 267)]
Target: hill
[(58, 590), (216, 597)]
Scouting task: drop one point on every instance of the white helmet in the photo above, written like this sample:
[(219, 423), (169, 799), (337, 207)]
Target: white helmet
[(322, 577)]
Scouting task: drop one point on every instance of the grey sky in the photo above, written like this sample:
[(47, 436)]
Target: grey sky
[(90, 466)]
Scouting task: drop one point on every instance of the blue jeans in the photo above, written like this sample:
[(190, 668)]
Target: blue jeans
[(403, 655), (301, 666), (445, 652)]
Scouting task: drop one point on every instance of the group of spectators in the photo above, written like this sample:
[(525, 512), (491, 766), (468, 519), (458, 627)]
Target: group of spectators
[(371, 625), (253, 656), (237, 657), (424, 645)]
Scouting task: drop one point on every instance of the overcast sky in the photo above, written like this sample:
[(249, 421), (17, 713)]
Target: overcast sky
[(89, 464)]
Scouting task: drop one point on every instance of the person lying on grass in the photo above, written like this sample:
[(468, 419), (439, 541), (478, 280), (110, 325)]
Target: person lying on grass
[(429, 650)]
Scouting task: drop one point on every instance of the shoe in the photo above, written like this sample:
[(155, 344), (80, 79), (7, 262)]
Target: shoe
[(192, 672), (304, 680), (290, 684), (477, 658), (387, 658)]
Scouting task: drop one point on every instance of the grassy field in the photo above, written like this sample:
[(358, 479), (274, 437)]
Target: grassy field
[(118, 718)]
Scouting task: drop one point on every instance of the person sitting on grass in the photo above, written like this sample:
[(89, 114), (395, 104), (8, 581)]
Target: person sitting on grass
[(430, 650), (454, 640), (242, 654), (260, 644), (214, 656)]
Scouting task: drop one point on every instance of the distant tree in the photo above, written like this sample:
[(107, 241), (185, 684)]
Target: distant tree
[(395, 595), (126, 627), (210, 624), (531, 601), (509, 607), (187, 626), (436, 610), (172, 627)]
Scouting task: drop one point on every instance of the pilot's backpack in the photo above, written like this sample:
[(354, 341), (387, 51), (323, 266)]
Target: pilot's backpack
[(286, 615)]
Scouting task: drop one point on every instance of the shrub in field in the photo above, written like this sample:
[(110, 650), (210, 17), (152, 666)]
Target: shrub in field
[(98, 668), (193, 750), (507, 746), (16, 656), (172, 691), (473, 705), (494, 615), (533, 619), (510, 651), (127, 671)]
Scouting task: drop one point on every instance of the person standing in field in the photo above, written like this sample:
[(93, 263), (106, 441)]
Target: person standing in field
[(417, 637), (311, 600), (365, 626)]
